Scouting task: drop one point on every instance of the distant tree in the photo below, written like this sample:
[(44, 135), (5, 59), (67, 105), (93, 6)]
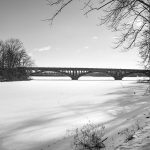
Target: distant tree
[(12, 56), (1, 53), (130, 17)]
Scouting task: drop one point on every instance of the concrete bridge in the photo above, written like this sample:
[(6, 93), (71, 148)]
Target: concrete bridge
[(76, 73)]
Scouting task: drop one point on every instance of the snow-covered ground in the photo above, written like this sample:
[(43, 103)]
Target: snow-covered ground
[(37, 112)]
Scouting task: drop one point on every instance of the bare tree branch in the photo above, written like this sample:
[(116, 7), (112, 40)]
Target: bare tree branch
[(122, 16), (59, 10), (98, 8)]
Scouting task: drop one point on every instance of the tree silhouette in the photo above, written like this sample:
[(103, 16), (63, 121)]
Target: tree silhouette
[(12, 56), (130, 17)]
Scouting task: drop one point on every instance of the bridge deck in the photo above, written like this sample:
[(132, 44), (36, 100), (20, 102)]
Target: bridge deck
[(75, 73)]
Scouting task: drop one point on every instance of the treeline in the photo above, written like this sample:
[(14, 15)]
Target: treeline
[(12, 56)]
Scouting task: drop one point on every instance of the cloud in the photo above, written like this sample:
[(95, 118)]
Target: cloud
[(86, 47), (95, 37), (47, 48)]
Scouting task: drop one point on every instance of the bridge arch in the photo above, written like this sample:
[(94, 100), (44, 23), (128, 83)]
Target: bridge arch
[(130, 74), (110, 73), (63, 73), (97, 74), (49, 73), (74, 74)]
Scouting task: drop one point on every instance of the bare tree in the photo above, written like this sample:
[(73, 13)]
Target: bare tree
[(1, 53), (12, 56), (130, 17)]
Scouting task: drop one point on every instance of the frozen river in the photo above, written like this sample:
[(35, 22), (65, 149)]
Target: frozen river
[(41, 110)]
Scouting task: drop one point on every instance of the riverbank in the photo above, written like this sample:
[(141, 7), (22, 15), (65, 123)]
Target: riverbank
[(141, 137), (14, 79), (130, 128), (132, 131), (36, 114)]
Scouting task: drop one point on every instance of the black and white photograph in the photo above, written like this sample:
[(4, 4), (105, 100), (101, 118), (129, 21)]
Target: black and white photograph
[(74, 74)]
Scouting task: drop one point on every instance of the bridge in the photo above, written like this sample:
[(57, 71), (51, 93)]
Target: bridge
[(76, 73)]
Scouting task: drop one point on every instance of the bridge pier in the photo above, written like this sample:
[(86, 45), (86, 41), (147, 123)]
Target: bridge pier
[(74, 78), (118, 78)]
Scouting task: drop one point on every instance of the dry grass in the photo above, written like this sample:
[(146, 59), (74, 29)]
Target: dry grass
[(89, 137)]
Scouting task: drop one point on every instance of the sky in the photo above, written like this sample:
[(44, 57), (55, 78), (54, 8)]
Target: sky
[(73, 40)]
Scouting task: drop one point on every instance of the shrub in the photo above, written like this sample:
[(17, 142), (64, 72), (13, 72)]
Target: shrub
[(129, 134), (89, 137)]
